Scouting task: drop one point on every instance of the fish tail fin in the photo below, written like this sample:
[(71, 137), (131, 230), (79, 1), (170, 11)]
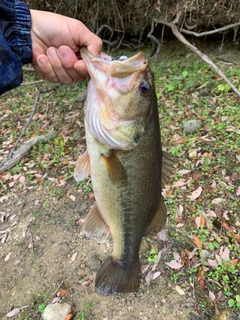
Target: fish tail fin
[(116, 276)]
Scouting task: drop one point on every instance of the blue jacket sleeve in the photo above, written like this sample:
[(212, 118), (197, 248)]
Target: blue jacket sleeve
[(15, 42)]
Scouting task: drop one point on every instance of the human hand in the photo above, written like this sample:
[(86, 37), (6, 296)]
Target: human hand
[(56, 42)]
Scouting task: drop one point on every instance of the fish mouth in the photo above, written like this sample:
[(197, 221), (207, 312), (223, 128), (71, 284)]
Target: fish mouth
[(113, 68), (109, 116)]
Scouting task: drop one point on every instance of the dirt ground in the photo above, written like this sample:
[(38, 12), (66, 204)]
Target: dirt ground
[(48, 253), (42, 245)]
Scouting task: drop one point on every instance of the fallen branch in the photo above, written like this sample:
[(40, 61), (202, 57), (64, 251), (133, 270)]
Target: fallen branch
[(24, 149), (14, 157), (200, 54), (207, 33), (22, 133), (201, 34)]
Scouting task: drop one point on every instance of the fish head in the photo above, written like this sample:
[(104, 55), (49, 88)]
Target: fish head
[(120, 95)]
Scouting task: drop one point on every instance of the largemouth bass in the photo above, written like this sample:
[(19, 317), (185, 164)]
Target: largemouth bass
[(125, 160)]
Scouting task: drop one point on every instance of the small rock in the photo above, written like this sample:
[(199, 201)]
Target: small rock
[(145, 246), (179, 290), (94, 263), (56, 311), (191, 126), (192, 154)]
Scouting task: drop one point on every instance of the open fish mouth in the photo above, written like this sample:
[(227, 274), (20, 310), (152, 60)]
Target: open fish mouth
[(113, 96)]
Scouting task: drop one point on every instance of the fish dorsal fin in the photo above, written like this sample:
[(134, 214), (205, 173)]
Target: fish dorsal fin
[(167, 166), (115, 170), (159, 219), (94, 225), (83, 167)]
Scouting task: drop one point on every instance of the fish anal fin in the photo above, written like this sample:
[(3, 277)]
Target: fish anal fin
[(115, 170), (117, 277), (94, 226), (159, 219), (83, 167), (167, 166)]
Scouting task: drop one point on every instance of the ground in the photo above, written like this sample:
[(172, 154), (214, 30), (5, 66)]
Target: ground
[(46, 253)]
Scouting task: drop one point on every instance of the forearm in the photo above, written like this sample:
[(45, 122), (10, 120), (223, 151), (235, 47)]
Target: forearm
[(15, 42)]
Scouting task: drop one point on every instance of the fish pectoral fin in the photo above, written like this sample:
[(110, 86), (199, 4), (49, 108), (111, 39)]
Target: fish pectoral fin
[(117, 277), (159, 219), (167, 166), (94, 226), (83, 167), (115, 170)]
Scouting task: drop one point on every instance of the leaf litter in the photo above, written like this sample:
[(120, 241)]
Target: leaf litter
[(202, 200)]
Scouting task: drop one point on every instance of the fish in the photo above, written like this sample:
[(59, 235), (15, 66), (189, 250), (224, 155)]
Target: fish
[(127, 165)]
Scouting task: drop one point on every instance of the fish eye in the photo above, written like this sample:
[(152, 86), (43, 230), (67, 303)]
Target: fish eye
[(145, 87)]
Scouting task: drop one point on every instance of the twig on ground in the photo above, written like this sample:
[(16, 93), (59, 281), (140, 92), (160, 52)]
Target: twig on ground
[(22, 133), (23, 150), (13, 156), (31, 82), (28, 69), (56, 291), (200, 54)]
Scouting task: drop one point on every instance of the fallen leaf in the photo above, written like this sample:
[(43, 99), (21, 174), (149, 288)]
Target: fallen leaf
[(238, 191), (225, 254), (197, 241), (211, 213), (191, 254), (22, 179), (196, 194), (179, 183), (73, 198), (184, 171), (212, 296), (13, 313), (55, 300), (179, 225), (217, 200), (73, 258), (68, 317), (235, 262), (200, 221), (212, 263), (174, 264), (87, 283), (63, 293), (7, 257), (156, 275)]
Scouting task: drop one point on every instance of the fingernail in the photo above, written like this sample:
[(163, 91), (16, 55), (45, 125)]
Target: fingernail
[(42, 61), (63, 52), (52, 53)]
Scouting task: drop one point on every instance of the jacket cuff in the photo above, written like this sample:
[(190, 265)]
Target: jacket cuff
[(22, 43)]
